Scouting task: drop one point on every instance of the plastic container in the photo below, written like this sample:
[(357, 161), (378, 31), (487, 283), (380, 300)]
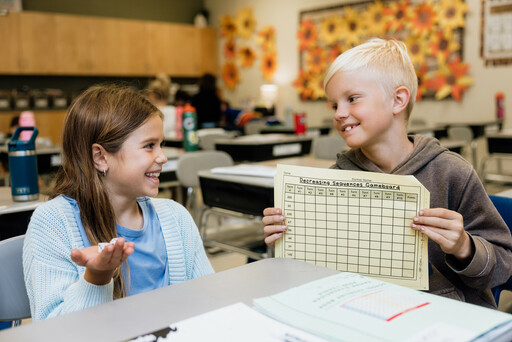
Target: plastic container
[(23, 166), (300, 123), (500, 106), (27, 119), (190, 138)]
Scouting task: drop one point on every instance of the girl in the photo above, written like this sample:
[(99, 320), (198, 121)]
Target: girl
[(111, 161)]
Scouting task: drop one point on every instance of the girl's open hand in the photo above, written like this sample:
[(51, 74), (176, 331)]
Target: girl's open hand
[(274, 226), (446, 228), (100, 267)]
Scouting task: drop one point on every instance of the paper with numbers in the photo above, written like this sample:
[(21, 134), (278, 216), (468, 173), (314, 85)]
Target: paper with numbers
[(354, 221)]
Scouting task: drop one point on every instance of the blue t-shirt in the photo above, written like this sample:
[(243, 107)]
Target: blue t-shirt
[(148, 264)]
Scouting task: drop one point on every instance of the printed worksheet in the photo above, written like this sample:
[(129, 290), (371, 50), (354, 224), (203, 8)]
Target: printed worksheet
[(354, 221)]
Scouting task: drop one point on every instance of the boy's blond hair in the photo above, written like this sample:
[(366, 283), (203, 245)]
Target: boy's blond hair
[(388, 59)]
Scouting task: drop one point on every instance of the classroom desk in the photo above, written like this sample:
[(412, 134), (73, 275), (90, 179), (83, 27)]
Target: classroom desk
[(258, 147), (132, 316), (478, 128), (280, 129), (248, 194), (14, 216), (437, 131), (499, 146), (48, 159)]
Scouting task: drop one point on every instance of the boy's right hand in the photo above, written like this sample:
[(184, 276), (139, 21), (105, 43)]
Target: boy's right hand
[(100, 267), (274, 225)]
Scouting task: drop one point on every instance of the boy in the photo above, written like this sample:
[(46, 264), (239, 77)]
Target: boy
[(372, 88)]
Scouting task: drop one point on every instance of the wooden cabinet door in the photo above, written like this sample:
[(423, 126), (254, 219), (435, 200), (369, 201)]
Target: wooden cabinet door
[(208, 51), (9, 40), (38, 54), (72, 48), (173, 49)]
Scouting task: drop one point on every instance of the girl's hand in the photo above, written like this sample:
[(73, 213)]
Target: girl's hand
[(100, 267), (446, 228), (273, 222)]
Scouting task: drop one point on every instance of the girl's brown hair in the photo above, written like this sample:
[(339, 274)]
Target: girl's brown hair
[(103, 115)]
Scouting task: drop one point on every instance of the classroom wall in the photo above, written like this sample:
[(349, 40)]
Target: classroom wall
[(477, 104)]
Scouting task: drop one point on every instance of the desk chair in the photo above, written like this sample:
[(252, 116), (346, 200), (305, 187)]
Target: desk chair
[(327, 147), (254, 126), (14, 303), (466, 134), (207, 142), (189, 164), (504, 206)]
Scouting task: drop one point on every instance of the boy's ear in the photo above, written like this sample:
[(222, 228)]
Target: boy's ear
[(99, 158), (400, 99)]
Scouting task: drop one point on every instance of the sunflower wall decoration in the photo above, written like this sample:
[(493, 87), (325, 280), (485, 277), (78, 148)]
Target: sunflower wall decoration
[(240, 37), (432, 31)]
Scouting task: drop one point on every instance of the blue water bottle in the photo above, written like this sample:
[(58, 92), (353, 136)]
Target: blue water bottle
[(23, 166)]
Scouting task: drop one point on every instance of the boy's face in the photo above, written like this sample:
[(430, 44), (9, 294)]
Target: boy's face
[(363, 112)]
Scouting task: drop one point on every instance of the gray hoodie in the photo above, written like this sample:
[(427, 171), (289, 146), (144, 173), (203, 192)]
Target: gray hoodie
[(454, 185)]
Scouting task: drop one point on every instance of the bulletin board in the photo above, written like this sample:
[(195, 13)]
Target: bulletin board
[(432, 31), (496, 32)]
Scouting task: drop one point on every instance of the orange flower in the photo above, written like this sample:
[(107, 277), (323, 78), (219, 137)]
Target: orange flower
[(316, 60), (230, 75), (228, 27), (246, 56), (306, 35), (268, 65), (442, 47), (421, 72), (267, 38), (450, 79), (229, 49), (424, 20), (333, 53), (398, 15), (302, 85), (374, 19)]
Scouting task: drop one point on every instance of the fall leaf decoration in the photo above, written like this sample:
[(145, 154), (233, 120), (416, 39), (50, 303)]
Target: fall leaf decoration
[(441, 47), (424, 19), (397, 15), (230, 75), (267, 38), (245, 23), (246, 56)]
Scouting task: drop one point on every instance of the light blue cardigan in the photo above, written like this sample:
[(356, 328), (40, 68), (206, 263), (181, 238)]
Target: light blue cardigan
[(56, 285)]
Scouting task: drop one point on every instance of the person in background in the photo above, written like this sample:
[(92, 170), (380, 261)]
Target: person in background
[(181, 98), (159, 92), (111, 161), (207, 102), (15, 123), (371, 89)]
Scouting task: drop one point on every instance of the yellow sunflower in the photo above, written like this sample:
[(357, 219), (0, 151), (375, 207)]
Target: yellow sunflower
[(424, 19), (228, 26), (398, 15), (307, 34), (229, 49), (316, 86), (421, 72), (302, 85), (330, 29), (316, 60), (268, 65), (230, 75), (267, 38), (246, 56), (442, 47), (352, 27), (374, 19), (417, 49), (245, 22), (450, 79), (451, 14)]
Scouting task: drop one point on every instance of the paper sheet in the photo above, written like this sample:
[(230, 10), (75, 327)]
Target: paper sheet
[(354, 221), (352, 307), (247, 170)]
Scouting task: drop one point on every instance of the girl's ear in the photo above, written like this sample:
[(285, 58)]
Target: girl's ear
[(99, 158), (400, 99)]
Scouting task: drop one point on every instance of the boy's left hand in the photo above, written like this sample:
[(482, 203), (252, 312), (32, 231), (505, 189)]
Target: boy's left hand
[(446, 228)]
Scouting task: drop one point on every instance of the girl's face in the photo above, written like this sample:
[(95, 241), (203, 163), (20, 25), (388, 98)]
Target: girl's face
[(362, 112), (133, 171)]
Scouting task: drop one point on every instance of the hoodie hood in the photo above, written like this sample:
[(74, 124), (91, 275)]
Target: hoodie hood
[(425, 150)]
